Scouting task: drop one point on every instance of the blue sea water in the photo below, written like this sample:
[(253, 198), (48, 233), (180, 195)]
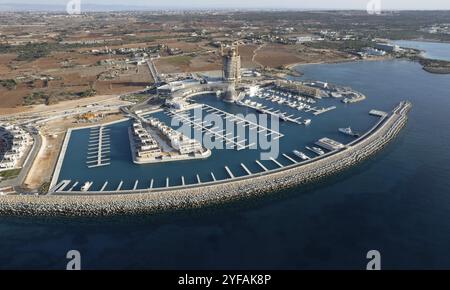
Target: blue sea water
[(433, 50), (398, 202)]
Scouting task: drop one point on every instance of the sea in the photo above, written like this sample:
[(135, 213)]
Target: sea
[(397, 202)]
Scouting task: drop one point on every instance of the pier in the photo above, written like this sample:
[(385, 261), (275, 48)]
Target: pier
[(79, 205), (120, 186), (60, 186), (246, 169), (262, 166), (219, 133), (289, 158), (276, 113), (73, 186), (324, 110), (104, 186), (229, 172), (276, 162), (99, 148)]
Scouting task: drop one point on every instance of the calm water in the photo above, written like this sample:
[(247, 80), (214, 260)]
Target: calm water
[(296, 138), (433, 50), (398, 203)]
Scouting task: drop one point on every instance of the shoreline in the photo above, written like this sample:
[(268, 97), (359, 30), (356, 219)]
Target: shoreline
[(350, 60), (143, 203)]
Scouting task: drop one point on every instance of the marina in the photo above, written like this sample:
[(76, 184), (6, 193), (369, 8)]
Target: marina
[(102, 145)]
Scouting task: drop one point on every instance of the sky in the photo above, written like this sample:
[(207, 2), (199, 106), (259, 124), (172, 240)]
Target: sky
[(254, 4)]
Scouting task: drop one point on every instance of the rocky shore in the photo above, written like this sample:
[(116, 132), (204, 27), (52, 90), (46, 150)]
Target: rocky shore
[(212, 194)]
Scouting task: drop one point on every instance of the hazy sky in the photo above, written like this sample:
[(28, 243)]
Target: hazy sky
[(300, 4)]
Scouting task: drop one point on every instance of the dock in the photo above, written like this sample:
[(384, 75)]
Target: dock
[(73, 186), (281, 115), (323, 110), (151, 184), (99, 147), (262, 166), (104, 186), (289, 158), (276, 162), (120, 186), (219, 133), (229, 172), (246, 169), (61, 186)]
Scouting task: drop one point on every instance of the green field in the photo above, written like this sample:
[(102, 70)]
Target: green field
[(9, 174), (179, 60)]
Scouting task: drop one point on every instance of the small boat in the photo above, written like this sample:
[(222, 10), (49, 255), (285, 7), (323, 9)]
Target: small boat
[(301, 155), (87, 185), (316, 150), (307, 122), (348, 131)]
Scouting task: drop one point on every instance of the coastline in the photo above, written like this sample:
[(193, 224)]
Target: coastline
[(209, 194), (293, 65)]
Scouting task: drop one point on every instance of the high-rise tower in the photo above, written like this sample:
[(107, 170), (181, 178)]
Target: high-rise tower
[(232, 65), (231, 70)]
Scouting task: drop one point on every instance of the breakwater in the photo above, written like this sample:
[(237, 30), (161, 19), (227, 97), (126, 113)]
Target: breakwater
[(214, 193)]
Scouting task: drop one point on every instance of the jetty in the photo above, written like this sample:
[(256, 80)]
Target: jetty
[(137, 202)]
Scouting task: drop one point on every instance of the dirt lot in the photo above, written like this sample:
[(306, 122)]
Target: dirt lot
[(272, 56), (185, 63), (68, 82), (277, 55), (247, 52)]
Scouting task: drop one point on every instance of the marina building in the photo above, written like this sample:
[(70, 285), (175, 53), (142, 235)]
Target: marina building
[(178, 141), (297, 88), (145, 145), (387, 47)]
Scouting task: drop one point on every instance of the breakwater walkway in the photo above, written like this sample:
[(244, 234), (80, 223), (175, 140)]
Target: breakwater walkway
[(143, 202)]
